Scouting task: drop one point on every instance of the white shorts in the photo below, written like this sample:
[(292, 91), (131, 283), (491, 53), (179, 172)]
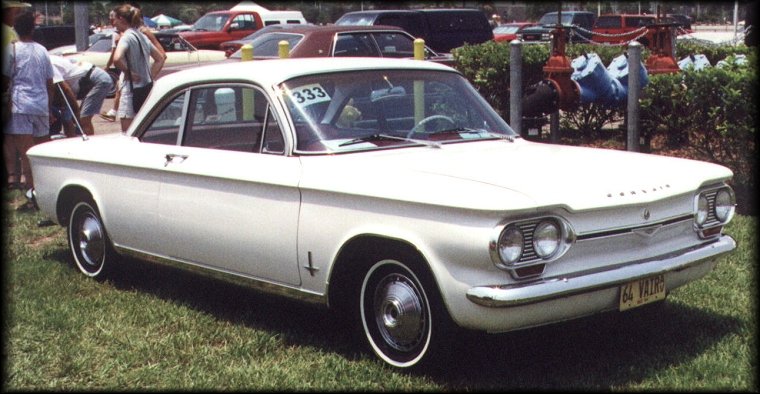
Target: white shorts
[(125, 100)]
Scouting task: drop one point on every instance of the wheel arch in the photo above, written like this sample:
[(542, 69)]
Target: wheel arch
[(353, 260), (68, 196)]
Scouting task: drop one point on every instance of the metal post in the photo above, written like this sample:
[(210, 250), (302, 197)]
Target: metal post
[(515, 86), (553, 127), (246, 54), (81, 24), (634, 67), (419, 86)]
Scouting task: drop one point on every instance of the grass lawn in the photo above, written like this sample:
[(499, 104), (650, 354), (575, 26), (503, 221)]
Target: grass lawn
[(156, 328)]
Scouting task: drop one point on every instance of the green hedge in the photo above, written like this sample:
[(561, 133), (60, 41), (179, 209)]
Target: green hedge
[(708, 114)]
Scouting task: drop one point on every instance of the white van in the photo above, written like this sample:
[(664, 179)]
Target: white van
[(271, 17), (282, 17)]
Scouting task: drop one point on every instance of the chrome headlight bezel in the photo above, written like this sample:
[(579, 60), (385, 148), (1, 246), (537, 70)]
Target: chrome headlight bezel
[(714, 207), (529, 256), (725, 204)]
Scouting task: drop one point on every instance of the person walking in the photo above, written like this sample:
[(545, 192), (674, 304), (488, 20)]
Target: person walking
[(132, 56), (75, 76), (28, 73)]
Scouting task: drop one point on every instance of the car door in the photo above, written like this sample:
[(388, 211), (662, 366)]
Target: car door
[(229, 197)]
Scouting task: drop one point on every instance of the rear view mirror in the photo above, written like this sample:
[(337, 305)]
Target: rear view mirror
[(381, 94)]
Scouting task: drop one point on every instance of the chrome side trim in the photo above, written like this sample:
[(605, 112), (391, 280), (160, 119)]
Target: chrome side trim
[(229, 277), (553, 288)]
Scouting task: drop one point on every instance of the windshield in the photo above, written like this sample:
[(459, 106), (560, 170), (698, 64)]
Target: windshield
[(268, 45), (211, 22), (362, 110), (506, 29), (551, 19)]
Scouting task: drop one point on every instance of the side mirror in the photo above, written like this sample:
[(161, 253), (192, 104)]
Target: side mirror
[(234, 26)]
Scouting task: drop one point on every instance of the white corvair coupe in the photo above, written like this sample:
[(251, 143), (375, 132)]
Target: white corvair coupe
[(388, 189)]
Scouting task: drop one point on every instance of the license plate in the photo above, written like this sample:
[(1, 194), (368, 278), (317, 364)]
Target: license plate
[(642, 291)]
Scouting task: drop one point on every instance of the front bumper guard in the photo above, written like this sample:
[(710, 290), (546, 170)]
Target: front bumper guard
[(554, 288)]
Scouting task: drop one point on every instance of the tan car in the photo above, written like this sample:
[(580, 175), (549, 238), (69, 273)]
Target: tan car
[(178, 51)]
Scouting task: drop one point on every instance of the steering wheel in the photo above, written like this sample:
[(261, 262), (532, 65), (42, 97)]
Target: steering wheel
[(420, 127)]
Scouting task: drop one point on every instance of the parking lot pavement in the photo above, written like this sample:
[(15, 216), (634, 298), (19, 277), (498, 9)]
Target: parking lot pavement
[(103, 126)]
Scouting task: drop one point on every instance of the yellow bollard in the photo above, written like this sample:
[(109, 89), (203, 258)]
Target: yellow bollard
[(419, 49), (284, 49), (419, 86), (246, 53)]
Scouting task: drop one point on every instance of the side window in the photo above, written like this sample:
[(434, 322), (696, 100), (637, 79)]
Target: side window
[(273, 141), (394, 44), (165, 127), (354, 44), (411, 23), (244, 22), (227, 118)]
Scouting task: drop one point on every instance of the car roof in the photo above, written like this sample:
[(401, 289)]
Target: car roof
[(275, 71), (304, 28)]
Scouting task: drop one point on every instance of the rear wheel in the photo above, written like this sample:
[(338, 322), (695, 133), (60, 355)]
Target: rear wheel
[(88, 241), (401, 315)]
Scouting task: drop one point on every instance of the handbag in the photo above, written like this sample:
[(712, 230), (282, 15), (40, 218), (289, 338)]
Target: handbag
[(139, 94), (85, 85)]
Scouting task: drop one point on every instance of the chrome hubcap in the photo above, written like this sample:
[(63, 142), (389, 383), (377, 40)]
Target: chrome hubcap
[(399, 312), (91, 241)]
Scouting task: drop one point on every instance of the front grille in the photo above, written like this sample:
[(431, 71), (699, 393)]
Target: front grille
[(529, 253), (712, 220)]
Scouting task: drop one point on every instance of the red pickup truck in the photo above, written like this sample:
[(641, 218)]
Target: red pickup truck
[(217, 27)]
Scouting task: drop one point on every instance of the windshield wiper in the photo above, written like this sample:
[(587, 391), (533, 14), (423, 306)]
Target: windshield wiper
[(376, 137), (460, 130)]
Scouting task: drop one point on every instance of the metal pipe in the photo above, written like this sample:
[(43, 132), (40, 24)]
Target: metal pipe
[(515, 86), (634, 65), (73, 114)]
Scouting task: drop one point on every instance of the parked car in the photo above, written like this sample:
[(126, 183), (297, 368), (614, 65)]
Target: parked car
[(442, 29), (53, 36), (577, 23), (230, 47), (682, 21), (102, 39), (178, 51), (388, 190), (623, 28), (216, 27), (336, 41), (282, 17), (509, 31)]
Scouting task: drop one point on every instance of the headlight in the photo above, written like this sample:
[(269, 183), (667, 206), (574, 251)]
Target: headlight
[(724, 205), (546, 238), (510, 245), (702, 210)]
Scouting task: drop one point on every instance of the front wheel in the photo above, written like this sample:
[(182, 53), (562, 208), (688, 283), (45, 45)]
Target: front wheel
[(89, 244), (397, 313)]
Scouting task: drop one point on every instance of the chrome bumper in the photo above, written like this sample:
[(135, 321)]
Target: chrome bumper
[(553, 288)]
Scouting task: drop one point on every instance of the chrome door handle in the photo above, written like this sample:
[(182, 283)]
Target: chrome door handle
[(171, 157)]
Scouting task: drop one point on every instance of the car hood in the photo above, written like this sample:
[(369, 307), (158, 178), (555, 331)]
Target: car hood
[(502, 175)]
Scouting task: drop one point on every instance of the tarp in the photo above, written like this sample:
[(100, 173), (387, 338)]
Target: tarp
[(249, 6), (165, 20), (148, 22)]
